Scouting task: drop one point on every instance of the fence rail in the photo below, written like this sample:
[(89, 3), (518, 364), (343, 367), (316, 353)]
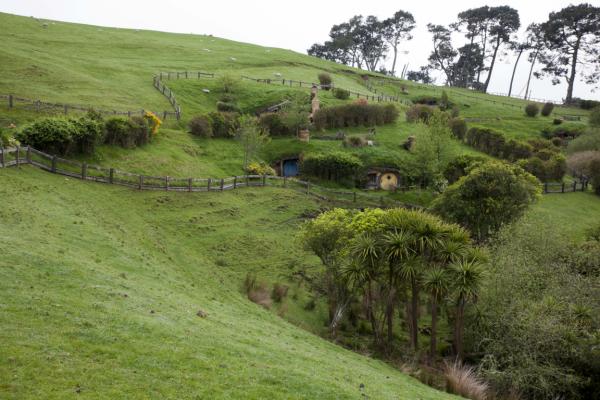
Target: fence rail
[(17, 156), (14, 102)]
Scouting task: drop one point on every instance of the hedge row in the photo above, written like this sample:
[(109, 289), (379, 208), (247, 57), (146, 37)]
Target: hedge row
[(65, 136), (215, 124), (336, 166), (355, 114), (540, 157)]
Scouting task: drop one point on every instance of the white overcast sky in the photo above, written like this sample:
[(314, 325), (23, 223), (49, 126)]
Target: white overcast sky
[(296, 25)]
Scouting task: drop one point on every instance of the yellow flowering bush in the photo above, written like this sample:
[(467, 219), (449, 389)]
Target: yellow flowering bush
[(256, 168), (153, 121)]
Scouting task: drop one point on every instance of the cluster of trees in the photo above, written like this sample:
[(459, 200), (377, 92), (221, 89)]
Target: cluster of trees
[(365, 42), (565, 46), (385, 261)]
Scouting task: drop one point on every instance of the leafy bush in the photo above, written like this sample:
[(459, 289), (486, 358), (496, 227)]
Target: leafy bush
[(227, 107), (594, 119), (229, 83), (588, 141), (272, 122), (594, 171), (578, 164), (341, 94), (354, 141), (461, 166), (557, 121), (547, 109), (444, 101), (224, 124), (458, 126), (127, 133), (256, 168), (532, 109), (551, 169), (419, 113), (490, 196), (201, 126), (62, 136), (355, 114), (588, 104), (325, 80), (426, 100), (334, 166)]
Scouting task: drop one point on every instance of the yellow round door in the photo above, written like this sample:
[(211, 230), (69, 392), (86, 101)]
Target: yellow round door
[(388, 181)]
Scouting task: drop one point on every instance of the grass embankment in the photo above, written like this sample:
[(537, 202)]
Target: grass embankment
[(105, 302)]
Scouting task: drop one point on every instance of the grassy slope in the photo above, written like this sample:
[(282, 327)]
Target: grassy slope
[(76, 307)]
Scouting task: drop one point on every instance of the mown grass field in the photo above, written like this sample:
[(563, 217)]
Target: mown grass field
[(105, 302), (101, 285)]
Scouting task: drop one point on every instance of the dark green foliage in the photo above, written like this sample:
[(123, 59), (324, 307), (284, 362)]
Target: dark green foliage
[(419, 113), (63, 136), (126, 132), (426, 100), (227, 107), (224, 124), (444, 101), (491, 195), (547, 109), (201, 126), (334, 166), (546, 166), (594, 119), (325, 80), (5, 138), (532, 109), (537, 315), (557, 121), (587, 104), (355, 114), (458, 127), (568, 130), (341, 94), (461, 166), (273, 123)]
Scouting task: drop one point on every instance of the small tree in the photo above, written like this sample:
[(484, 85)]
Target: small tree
[(325, 80), (252, 137), (490, 196), (433, 147), (547, 109), (531, 110)]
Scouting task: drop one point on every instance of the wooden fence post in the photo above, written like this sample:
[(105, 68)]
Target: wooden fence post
[(17, 156), (235, 182), (190, 182), (10, 101), (141, 182), (111, 175), (354, 197), (164, 115), (575, 186), (84, 170), (1, 156), (29, 154), (284, 181), (563, 187), (167, 183), (222, 184), (307, 187), (53, 168), (208, 186), (545, 187), (247, 181), (264, 180)]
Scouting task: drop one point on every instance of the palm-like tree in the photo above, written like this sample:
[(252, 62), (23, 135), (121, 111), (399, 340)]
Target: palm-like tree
[(365, 250), (468, 275), (437, 283), (398, 247)]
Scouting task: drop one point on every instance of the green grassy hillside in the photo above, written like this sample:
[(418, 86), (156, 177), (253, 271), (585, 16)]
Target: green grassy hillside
[(105, 302)]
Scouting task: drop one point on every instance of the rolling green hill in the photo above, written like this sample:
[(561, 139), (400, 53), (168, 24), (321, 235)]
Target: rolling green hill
[(101, 286)]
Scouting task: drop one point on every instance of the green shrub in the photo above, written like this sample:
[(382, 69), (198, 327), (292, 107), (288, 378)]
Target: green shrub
[(458, 126), (547, 109), (227, 107), (419, 113), (532, 109), (201, 126), (594, 119), (426, 100), (140, 130), (354, 114), (334, 166), (444, 101), (127, 133), (62, 136), (557, 121), (325, 80), (589, 141), (588, 104), (551, 169), (224, 124), (259, 168), (354, 141), (594, 171), (341, 94), (273, 124), (461, 166)]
